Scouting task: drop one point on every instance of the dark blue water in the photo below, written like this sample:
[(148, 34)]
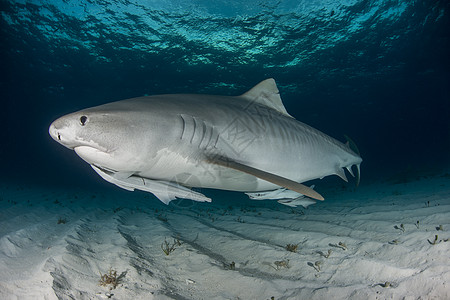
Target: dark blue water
[(377, 71)]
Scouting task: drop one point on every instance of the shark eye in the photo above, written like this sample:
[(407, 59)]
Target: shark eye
[(83, 120)]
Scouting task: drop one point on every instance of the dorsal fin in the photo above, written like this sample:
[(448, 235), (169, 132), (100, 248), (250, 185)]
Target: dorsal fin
[(266, 93)]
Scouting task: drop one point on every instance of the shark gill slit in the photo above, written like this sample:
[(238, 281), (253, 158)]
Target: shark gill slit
[(203, 132), (211, 140), (216, 141), (205, 138), (183, 128), (194, 130)]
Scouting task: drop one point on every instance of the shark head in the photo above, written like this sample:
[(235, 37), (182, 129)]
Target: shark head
[(100, 137)]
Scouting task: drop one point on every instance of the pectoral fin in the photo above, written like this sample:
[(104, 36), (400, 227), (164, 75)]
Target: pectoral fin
[(163, 190), (275, 179)]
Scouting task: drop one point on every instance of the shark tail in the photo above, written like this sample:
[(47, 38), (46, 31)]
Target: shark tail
[(352, 146)]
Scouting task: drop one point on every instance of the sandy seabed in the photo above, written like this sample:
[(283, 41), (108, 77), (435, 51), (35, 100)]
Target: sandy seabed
[(382, 241)]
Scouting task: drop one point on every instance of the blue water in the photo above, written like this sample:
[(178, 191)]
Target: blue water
[(377, 71)]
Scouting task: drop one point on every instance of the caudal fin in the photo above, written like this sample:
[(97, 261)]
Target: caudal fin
[(352, 146)]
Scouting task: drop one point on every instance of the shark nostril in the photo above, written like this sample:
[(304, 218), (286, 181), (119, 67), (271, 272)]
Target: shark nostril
[(59, 136)]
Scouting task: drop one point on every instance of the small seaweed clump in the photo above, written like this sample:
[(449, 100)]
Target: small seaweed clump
[(317, 265), (231, 266), (281, 264), (109, 279), (342, 245), (62, 221), (292, 247), (436, 240), (167, 248)]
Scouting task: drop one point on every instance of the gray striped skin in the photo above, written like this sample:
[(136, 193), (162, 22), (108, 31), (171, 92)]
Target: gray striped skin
[(175, 137)]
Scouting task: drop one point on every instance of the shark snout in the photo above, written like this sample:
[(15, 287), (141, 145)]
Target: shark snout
[(60, 132), (54, 133), (70, 133)]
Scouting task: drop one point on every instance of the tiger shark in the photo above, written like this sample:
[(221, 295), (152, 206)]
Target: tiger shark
[(169, 144)]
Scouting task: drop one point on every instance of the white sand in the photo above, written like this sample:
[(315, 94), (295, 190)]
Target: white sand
[(40, 259)]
